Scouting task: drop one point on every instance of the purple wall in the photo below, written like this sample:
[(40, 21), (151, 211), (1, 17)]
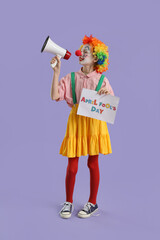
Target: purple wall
[(32, 172)]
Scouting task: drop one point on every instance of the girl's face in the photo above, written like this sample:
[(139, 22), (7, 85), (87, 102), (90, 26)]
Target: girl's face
[(87, 55)]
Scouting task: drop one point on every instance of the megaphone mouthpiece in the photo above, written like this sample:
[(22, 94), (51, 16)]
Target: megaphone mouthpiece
[(67, 55)]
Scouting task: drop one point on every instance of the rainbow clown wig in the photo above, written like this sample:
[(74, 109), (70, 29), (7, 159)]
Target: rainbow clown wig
[(100, 50)]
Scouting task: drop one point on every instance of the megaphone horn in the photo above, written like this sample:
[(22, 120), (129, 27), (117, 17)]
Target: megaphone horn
[(51, 47)]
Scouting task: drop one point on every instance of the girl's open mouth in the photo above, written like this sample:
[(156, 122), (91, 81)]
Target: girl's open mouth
[(81, 59)]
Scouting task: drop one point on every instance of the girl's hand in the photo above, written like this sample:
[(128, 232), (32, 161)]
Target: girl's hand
[(103, 91), (58, 65)]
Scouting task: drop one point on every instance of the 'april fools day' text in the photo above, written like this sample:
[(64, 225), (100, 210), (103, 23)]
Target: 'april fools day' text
[(99, 106)]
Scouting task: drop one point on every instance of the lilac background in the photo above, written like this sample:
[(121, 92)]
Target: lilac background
[(32, 172)]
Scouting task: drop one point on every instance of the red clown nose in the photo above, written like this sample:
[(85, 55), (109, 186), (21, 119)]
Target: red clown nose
[(78, 53)]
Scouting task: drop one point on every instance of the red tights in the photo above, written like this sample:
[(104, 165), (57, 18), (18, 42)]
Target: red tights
[(72, 169)]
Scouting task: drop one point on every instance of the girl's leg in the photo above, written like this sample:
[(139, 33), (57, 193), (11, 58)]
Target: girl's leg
[(72, 169), (94, 177)]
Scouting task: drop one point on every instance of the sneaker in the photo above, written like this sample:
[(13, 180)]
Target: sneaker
[(88, 210), (66, 211)]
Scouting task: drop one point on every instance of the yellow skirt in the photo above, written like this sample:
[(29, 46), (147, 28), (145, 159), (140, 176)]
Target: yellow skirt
[(85, 136)]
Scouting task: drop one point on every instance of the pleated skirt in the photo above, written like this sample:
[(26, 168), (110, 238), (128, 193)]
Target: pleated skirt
[(85, 135)]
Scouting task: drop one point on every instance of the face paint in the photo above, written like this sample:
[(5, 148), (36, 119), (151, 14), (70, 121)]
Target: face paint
[(87, 56)]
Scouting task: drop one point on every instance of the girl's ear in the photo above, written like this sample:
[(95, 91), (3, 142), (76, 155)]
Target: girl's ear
[(95, 58)]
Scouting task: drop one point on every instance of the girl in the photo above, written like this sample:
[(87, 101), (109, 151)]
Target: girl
[(84, 136)]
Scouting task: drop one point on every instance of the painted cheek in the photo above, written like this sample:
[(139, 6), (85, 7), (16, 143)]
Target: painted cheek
[(84, 56)]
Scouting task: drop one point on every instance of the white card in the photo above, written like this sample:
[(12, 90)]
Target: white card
[(102, 107)]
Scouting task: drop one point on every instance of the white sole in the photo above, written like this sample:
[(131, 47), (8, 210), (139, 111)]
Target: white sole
[(65, 215), (86, 215)]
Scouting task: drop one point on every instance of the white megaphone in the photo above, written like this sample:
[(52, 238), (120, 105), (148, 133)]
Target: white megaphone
[(51, 47)]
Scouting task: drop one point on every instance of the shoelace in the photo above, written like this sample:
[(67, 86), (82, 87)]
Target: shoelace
[(66, 206), (87, 207)]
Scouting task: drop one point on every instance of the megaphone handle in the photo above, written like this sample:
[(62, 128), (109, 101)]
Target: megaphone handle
[(55, 63)]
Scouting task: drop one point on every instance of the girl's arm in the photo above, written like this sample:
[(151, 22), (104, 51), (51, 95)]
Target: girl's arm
[(54, 86)]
